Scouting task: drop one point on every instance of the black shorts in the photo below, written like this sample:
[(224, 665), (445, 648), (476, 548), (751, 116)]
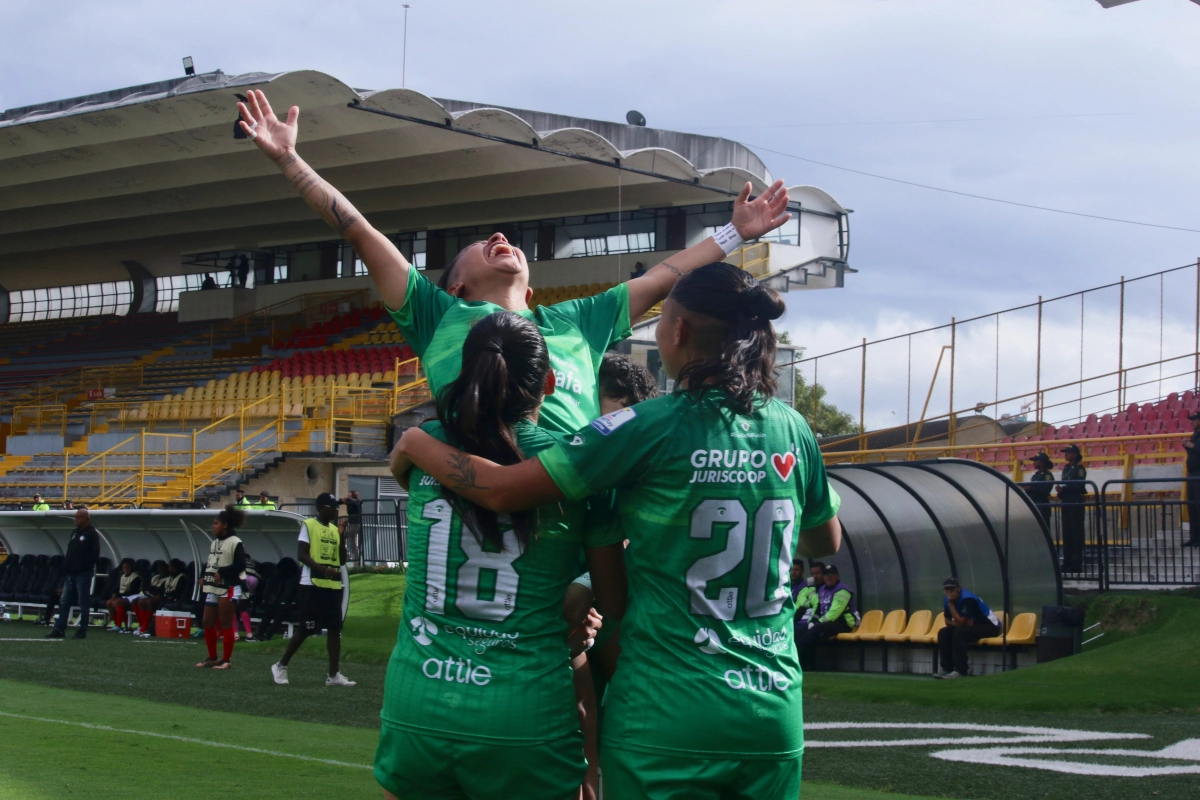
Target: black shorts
[(320, 608)]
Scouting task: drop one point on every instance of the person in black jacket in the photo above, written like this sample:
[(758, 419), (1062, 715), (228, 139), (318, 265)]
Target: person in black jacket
[(1041, 485), (1072, 493), (1192, 446), (79, 567)]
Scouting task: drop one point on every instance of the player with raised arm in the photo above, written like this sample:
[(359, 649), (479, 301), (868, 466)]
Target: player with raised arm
[(478, 701), (718, 485), (493, 275)]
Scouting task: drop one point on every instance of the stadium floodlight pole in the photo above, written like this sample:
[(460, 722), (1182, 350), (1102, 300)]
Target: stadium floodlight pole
[(404, 51)]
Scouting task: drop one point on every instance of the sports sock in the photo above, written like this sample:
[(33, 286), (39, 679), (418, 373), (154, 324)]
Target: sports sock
[(245, 623), (119, 616), (227, 643), (210, 639), (143, 617)]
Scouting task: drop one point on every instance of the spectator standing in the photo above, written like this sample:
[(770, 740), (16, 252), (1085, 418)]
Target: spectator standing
[(353, 524), (1071, 493), (1192, 446), (39, 504), (1041, 485), (322, 551), (240, 500), (242, 271), (79, 567), (208, 284), (968, 619), (836, 613)]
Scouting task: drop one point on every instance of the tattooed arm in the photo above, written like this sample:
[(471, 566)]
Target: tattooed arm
[(485, 483), (752, 218), (277, 139)]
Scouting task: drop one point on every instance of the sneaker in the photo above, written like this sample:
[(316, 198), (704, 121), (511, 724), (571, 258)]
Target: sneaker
[(339, 680), (54, 634), (223, 664), (113, 629), (207, 663), (279, 673), (142, 634), (80, 634), (949, 676)]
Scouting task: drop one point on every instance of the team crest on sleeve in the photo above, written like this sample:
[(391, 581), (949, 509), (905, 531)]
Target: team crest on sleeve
[(610, 422)]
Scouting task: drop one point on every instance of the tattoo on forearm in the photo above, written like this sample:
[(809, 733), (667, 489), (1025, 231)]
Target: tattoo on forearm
[(327, 201), (462, 472)]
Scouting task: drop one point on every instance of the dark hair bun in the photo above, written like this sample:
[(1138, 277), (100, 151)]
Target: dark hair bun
[(234, 517), (762, 302)]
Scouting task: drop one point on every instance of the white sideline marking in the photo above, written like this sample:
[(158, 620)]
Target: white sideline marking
[(1187, 750), (188, 740), (1025, 734), (27, 639)]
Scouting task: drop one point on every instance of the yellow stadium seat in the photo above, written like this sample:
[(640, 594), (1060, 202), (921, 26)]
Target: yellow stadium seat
[(918, 625), (594, 288), (1022, 631), (872, 621), (893, 623), (939, 622), (389, 376)]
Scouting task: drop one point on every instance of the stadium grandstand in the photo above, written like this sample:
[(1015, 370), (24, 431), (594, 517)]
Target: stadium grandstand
[(175, 323)]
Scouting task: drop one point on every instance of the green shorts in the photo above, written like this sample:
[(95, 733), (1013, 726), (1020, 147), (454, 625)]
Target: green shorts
[(416, 766), (634, 775)]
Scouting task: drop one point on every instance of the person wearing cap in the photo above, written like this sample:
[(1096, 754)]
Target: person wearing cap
[(835, 613), (39, 504), (264, 502), (804, 591), (322, 551), (1192, 446), (1041, 484), (968, 619), (1072, 494)]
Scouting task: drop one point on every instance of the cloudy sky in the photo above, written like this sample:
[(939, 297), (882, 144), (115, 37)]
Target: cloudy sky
[(1083, 109)]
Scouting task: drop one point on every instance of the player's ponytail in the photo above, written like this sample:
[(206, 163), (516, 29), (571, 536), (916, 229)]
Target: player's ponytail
[(739, 310), (503, 378), (233, 517)]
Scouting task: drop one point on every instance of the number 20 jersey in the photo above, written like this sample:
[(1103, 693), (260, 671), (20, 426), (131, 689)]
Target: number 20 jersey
[(482, 651), (713, 503)]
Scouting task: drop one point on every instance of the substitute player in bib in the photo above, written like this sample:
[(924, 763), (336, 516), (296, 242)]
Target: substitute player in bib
[(717, 486), (493, 275), (223, 575), (322, 551), (479, 700)]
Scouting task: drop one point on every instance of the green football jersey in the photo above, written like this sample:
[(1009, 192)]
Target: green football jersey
[(577, 332), (482, 650), (713, 503)]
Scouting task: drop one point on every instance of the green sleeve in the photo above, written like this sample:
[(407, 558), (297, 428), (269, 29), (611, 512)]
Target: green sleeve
[(602, 526), (424, 306), (821, 502), (602, 318), (614, 450), (837, 607)]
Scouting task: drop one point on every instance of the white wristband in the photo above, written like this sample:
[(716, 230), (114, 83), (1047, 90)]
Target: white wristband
[(727, 238)]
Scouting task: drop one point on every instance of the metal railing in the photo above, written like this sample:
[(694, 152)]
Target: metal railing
[(379, 535)]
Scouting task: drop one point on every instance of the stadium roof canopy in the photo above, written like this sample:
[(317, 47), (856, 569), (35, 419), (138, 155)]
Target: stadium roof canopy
[(151, 172)]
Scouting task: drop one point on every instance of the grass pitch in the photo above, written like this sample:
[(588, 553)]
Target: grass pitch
[(1142, 680)]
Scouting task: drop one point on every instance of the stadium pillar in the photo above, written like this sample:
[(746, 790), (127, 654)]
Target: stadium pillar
[(862, 400), (953, 417), (1037, 397), (1196, 344), (1120, 350), (145, 288), (4, 307)]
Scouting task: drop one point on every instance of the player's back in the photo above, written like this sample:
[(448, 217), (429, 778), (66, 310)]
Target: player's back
[(482, 649), (708, 664)]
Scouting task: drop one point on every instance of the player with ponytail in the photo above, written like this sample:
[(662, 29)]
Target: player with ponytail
[(718, 486), (479, 699)]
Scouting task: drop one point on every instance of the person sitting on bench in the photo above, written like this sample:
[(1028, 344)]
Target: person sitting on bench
[(836, 613), (968, 619)]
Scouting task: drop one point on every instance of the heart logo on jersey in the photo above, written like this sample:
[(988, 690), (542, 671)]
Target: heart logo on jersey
[(783, 465)]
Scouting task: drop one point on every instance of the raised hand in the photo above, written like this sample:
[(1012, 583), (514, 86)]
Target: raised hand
[(273, 136), (763, 214)]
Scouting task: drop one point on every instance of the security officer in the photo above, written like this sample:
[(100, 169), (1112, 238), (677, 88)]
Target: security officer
[(1072, 495), (264, 502), (39, 504), (1041, 484), (240, 500), (1192, 446)]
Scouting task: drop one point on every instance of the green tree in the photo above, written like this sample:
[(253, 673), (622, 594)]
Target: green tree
[(824, 418)]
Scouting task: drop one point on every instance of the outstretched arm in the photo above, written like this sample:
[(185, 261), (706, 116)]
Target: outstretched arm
[(752, 218), (485, 483), (277, 139)]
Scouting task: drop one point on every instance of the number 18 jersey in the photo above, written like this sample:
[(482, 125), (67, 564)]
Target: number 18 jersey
[(482, 651), (712, 503)]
